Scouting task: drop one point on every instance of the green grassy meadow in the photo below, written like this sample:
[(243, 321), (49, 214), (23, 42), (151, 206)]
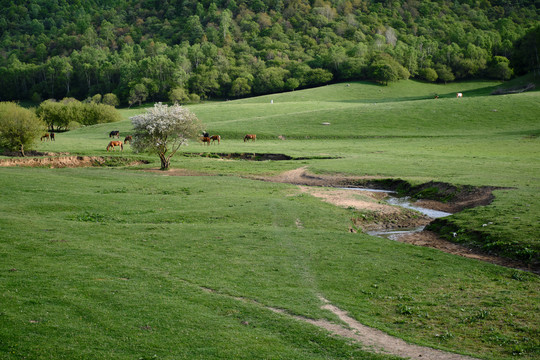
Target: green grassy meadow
[(119, 263)]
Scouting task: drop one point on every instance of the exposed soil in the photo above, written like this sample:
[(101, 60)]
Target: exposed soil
[(54, 161), (301, 177), (252, 156), (375, 215), (371, 339), (381, 216), (455, 199), (431, 239), (467, 198)]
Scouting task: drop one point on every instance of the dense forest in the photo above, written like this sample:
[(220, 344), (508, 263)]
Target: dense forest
[(143, 50)]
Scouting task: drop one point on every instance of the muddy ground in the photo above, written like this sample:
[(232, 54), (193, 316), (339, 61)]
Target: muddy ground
[(382, 216)]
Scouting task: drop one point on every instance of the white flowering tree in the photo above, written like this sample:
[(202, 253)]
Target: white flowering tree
[(163, 129)]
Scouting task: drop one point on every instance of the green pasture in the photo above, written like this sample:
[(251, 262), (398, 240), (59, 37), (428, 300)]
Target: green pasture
[(397, 131), (116, 263), (121, 263)]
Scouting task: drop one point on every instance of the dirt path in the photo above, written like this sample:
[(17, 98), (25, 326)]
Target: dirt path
[(372, 340), (381, 342)]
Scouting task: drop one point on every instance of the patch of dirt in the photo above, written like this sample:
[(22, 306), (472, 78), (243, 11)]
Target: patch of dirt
[(177, 172), (381, 342), (455, 199), (52, 161), (375, 215), (252, 156), (380, 216), (431, 239), (300, 176), (371, 339)]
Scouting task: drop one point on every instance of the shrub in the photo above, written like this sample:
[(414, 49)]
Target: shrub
[(428, 74), (19, 127), (73, 111), (444, 73), (111, 100), (500, 68), (386, 69), (50, 112), (96, 98), (178, 95)]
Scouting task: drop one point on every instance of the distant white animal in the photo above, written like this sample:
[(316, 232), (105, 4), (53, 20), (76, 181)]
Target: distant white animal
[(459, 95)]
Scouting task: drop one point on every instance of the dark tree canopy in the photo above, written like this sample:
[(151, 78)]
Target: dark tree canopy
[(142, 50)]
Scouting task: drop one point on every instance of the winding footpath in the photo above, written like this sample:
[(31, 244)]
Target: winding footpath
[(370, 339)]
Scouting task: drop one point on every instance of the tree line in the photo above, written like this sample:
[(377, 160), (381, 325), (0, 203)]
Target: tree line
[(184, 50)]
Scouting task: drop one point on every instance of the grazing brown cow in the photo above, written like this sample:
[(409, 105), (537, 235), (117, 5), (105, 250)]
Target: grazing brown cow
[(214, 138), (113, 144), (46, 137), (253, 137), (129, 139)]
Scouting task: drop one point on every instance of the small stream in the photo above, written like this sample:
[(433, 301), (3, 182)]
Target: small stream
[(404, 202)]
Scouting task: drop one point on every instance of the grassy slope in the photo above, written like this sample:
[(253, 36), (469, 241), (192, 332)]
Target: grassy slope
[(168, 236), (112, 263), (476, 140)]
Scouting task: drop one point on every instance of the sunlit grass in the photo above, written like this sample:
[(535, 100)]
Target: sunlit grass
[(112, 263)]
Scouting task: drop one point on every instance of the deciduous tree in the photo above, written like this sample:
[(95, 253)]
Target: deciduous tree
[(163, 129), (110, 99), (138, 93)]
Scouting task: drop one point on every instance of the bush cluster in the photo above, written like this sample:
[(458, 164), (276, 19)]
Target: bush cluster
[(59, 115)]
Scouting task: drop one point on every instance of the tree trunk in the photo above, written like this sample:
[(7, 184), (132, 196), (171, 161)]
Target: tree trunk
[(22, 150), (165, 163)]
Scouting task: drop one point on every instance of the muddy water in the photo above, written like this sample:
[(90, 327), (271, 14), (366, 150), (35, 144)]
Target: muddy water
[(405, 202)]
